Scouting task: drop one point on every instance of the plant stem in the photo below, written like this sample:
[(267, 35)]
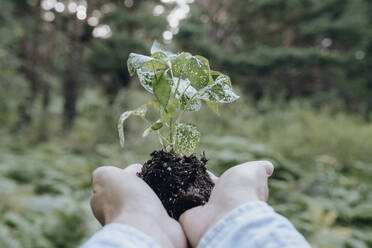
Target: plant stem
[(164, 140), (171, 133), (184, 110), (178, 84), (184, 91), (161, 136), (147, 121)]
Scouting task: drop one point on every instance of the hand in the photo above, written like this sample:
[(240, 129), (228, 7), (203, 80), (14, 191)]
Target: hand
[(238, 185), (120, 196)]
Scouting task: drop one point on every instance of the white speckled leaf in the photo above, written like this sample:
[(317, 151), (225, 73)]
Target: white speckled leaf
[(184, 87), (220, 91), (188, 104), (141, 111), (135, 61), (146, 73), (147, 131), (198, 72), (185, 92), (162, 89), (146, 76), (187, 138), (179, 63), (157, 47), (145, 67), (160, 56)]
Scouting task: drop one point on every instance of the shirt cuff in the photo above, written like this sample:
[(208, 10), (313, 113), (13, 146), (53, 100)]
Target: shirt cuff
[(116, 235), (215, 232), (254, 224)]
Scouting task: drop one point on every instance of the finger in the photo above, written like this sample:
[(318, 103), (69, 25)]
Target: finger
[(212, 176), (97, 212), (103, 172), (104, 175), (133, 169), (191, 229), (263, 169), (269, 167)]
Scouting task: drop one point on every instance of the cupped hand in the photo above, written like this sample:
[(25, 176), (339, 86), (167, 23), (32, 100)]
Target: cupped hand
[(120, 196), (239, 185)]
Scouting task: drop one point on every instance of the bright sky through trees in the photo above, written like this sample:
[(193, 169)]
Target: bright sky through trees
[(79, 9)]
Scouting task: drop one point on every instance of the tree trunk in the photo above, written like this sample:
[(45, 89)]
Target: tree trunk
[(47, 55), (29, 53), (72, 72)]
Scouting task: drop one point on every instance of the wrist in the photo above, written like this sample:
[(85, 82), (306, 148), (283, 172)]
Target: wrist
[(145, 224), (218, 212)]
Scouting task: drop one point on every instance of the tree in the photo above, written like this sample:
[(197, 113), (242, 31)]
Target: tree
[(290, 48), (55, 39), (134, 27)]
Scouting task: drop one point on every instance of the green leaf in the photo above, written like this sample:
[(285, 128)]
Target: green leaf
[(187, 138), (214, 107), (194, 68), (141, 111), (162, 89), (154, 127), (179, 63), (215, 73), (203, 60), (156, 65), (172, 107), (154, 103), (197, 70), (157, 47), (220, 91), (157, 125)]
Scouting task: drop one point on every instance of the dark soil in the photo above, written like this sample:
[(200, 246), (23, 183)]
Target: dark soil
[(180, 182)]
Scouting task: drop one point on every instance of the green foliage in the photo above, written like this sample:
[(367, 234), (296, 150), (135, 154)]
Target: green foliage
[(43, 198), (179, 82)]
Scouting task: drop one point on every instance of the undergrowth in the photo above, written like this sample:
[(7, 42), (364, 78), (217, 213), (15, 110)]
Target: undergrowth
[(321, 182)]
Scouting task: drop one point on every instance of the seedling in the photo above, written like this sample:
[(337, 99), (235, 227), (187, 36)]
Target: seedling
[(180, 83)]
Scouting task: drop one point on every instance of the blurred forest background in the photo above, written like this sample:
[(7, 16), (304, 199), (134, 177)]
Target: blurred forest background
[(302, 67)]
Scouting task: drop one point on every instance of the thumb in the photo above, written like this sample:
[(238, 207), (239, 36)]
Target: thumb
[(192, 226)]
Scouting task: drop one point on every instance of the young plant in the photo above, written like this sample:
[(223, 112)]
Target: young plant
[(179, 83)]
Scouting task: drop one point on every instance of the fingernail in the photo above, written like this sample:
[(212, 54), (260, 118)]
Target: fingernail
[(269, 168)]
